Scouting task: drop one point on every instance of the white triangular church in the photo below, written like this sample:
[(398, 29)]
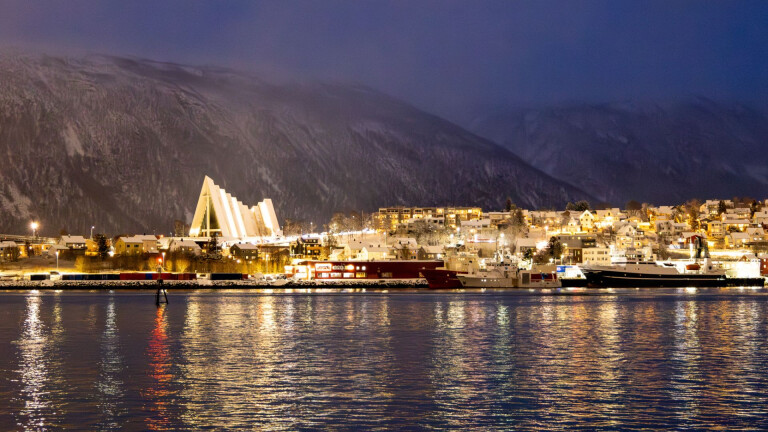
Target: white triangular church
[(219, 212)]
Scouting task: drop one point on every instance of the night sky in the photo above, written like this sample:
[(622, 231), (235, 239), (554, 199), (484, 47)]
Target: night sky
[(448, 57)]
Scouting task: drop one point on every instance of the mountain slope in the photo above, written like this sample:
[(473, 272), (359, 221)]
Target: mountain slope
[(662, 153), (123, 144)]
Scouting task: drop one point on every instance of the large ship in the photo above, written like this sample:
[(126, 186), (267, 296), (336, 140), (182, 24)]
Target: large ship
[(508, 275), (655, 274), (700, 271)]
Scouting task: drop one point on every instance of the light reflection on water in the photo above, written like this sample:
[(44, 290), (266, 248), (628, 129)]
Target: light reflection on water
[(374, 361)]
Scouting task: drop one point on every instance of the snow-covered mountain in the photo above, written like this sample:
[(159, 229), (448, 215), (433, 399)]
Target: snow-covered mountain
[(124, 144), (660, 153)]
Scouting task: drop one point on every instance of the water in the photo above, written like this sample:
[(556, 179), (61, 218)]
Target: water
[(671, 359)]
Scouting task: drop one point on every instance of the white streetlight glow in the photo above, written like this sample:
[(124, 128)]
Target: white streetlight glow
[(34, 226)]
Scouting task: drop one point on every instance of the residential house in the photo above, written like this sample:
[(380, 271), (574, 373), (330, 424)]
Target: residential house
[(149, 243), (730, 224), (374, 253), (9, 251), (736, 240), (184, 246), (431, 252), (244, 251), (587, 220), (760, 217), (73, 243), (129, 246)]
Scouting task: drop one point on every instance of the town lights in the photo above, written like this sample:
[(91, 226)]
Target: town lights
[(34, 226)]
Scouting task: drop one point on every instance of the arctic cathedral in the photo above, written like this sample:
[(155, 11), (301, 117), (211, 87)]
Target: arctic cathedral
[(221, 213)]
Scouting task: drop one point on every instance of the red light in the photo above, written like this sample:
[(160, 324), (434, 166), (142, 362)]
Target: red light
[(159, 260)]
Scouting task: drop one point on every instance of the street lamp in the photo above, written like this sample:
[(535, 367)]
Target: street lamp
[(92, 227), (34, 226), (163, 260), (57, 260)]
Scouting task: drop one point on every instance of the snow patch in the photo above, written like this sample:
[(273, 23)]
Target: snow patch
[(71, 140), (758, 172), (15, 202)]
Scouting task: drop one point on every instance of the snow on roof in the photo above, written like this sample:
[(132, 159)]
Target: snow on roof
[(131, 239), (739, 236), (245, 246), (7, 244), (184, 243), (376, 249), (72, 239)]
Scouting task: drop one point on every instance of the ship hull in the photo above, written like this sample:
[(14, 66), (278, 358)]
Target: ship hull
[(441, 279), (623, 279)]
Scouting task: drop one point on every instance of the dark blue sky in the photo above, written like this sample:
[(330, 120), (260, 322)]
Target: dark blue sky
[(445, 56)]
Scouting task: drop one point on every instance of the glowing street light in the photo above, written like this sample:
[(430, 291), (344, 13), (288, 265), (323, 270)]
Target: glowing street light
[(34, 226), (92, 227), (57, 260)]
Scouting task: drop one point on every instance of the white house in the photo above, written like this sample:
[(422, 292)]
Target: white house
[(72, 242), (184, 246)]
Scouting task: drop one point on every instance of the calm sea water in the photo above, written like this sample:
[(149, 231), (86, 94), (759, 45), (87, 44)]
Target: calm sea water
[(671, 359)]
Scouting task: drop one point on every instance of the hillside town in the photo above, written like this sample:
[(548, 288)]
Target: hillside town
[(227, 236)]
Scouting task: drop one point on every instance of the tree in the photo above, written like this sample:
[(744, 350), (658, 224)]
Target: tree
[(633, 205), (721, 208), (554, 248), (180, 228), (578, 206), (528, 254), (518, 219), (102, 246), (509, 206), (212, 247), (293, 227)]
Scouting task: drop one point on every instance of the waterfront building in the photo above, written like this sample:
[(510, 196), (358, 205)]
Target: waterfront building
[(600, 256), (219, 213)]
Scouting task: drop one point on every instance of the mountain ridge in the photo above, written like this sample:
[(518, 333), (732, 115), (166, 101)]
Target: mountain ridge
[(124, 143), (659, 152)]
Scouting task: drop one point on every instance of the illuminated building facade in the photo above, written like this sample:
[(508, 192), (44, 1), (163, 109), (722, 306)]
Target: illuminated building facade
[(219, 213), (389, 217)]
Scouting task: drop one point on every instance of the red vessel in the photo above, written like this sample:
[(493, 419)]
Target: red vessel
[(441, 278)]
